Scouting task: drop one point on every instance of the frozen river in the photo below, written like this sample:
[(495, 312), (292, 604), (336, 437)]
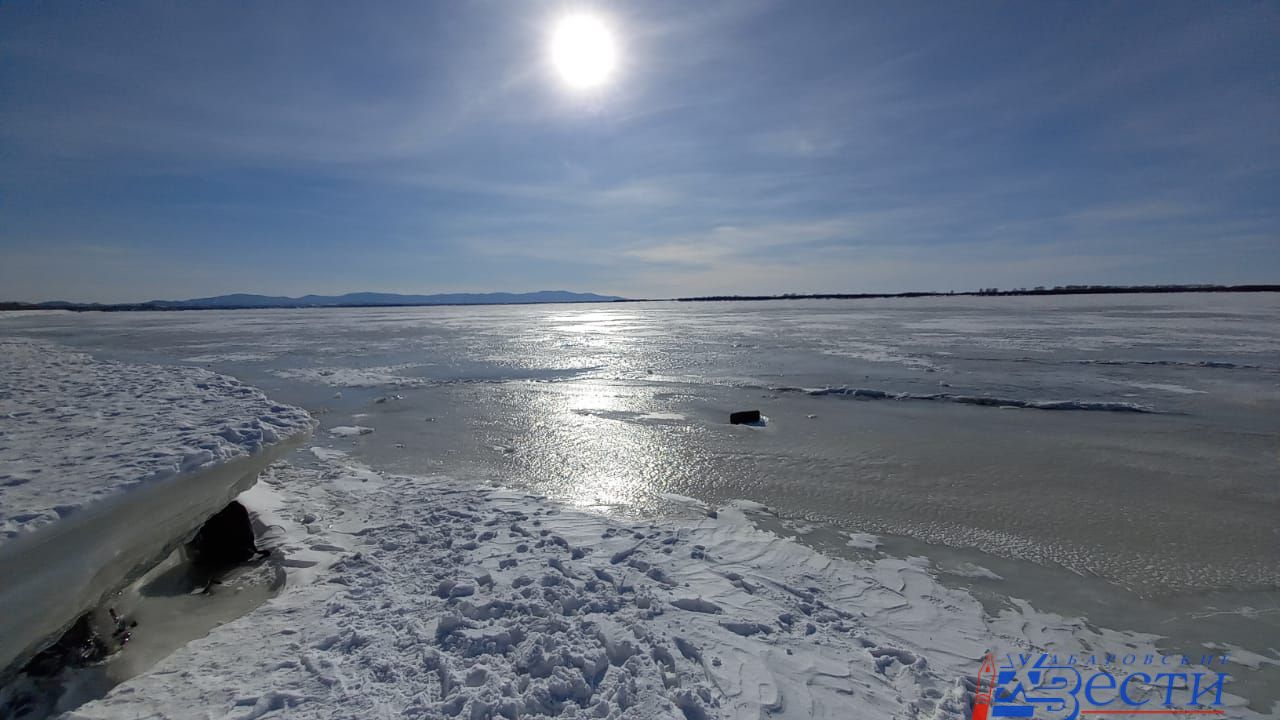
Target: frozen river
[(1108, 456)]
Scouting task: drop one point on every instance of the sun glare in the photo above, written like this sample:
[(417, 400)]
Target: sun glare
[(583, 51)]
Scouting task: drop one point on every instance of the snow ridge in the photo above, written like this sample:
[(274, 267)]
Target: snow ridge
[(984, 400), (75, 430)]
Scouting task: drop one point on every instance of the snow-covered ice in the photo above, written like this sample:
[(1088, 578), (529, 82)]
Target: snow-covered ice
[(421, 597), (104, 467), (449, 601), (75, 431)]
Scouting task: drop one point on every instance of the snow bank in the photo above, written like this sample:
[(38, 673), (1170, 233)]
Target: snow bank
[(75, 431), (429, 599), (462, 602), (104, 467)]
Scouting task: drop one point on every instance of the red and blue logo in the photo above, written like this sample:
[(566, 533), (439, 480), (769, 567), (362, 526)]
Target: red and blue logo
[(1046, 687)]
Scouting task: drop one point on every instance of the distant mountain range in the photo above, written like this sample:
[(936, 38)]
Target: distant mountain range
[(239, 301), (362, 299)]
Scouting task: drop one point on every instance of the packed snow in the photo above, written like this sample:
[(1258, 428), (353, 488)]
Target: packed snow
[(421, 597), (448, 601)]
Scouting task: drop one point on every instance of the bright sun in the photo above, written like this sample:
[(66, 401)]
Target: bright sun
[(583, 51)]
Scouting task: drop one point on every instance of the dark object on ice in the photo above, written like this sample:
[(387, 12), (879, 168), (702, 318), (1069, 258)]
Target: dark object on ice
[(123, 632), (224, 539), (744, 416), (79, 646)]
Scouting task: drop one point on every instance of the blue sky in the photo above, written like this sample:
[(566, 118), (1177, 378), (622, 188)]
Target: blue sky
[(171, 150)]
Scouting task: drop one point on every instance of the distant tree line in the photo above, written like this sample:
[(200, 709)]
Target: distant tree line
[(1038, 290)]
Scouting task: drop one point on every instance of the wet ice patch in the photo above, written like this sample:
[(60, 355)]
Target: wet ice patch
[(370, 377)]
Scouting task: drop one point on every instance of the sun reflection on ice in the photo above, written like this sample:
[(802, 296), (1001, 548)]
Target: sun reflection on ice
[(593, 448), (606, 440)]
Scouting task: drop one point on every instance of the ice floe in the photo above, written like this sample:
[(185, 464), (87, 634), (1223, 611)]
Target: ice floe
[(105, 467), (76, 431)]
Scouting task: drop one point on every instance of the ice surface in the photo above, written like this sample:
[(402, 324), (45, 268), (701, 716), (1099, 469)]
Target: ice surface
[(1123, 497), (1097, 360), (388, 376)]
